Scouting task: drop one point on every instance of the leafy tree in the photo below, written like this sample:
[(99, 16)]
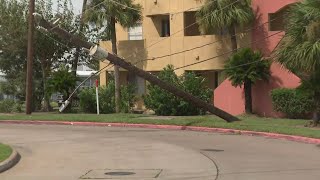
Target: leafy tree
[(245, 68), (160, 101), (220, 14), (299, 50), (165, 103), (107, 13), (49, 49), (13, 46), (62, 81), (107, 99)]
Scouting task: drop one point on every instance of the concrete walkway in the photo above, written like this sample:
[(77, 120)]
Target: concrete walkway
[(69, 153)]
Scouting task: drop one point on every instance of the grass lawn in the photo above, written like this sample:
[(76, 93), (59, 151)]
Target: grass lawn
[(252, 123), (5, 152)]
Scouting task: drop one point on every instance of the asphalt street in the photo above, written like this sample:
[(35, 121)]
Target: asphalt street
[(70, 153)]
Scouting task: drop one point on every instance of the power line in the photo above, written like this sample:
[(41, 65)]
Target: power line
[(204, 45), (198, 7), (126, 6), (207, 44), (53, 39), (192, 64), (187, 26), (223, 54), (191, 48), (190, 25), (79, 14), (123, 5), (183, 28)]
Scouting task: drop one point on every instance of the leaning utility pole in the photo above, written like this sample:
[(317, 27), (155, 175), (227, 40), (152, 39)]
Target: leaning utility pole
[(100, 54), (30, 57)]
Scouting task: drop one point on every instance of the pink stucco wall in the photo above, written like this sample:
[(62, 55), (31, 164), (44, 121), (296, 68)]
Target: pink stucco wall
[(231, 99)]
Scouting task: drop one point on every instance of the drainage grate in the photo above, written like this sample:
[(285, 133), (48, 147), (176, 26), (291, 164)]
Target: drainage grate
[(212, 150), (119, 173), (122, 174)]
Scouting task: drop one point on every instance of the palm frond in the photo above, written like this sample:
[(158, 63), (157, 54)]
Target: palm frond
[(217, 14), (300, 48)]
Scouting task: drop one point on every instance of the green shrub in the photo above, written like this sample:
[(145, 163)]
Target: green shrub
[(106, 99), (127, 98), (17, 108), (165, 103), (6, 106), (294, 103)]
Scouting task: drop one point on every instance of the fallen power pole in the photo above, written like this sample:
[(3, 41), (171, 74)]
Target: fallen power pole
[(101, 54)]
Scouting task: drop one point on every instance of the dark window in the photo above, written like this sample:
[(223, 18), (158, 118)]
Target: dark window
[(277, 19), (165, 27), (276, 22), (190, 25)]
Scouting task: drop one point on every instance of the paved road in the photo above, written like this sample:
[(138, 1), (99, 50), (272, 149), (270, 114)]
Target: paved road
[(70, 153)]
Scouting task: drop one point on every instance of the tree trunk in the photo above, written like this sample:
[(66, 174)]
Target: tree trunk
[(248, 96), (78, 49), (116, 68), (316, 113), (46, 95), (100, 53), (233, 37)]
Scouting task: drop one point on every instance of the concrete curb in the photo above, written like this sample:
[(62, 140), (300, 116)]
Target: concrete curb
[(10, 162), (172, 127)]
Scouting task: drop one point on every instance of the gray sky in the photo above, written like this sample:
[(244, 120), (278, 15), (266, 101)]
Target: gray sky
[(77, 4)]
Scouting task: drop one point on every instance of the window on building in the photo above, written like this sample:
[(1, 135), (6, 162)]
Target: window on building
[(277, 19), (165, 26), (161, 24), (276, 22), (135, 33), (190, 25)]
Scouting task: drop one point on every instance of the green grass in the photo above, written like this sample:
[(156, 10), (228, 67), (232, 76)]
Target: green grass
[(252, 123), (5, 152)]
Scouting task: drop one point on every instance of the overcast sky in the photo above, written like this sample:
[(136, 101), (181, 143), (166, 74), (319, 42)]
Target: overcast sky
[(77, 4)]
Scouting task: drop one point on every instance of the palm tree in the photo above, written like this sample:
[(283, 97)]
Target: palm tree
[(109, 12), (299, 50), (221, 14), (245, 68)]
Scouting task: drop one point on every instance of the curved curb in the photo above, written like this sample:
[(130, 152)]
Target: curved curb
[(172, 127), (13, 159)]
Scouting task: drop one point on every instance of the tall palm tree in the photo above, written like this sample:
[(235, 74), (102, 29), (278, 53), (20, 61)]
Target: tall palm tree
[(245, 68), (221, 14), (299, 50), (110, 12)]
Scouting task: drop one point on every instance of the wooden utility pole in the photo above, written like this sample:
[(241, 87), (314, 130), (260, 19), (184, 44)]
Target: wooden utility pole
[(116, 68), (30, 57), (100, 54)]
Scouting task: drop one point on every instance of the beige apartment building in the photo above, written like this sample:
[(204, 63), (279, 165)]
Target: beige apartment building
[(169, 27)]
